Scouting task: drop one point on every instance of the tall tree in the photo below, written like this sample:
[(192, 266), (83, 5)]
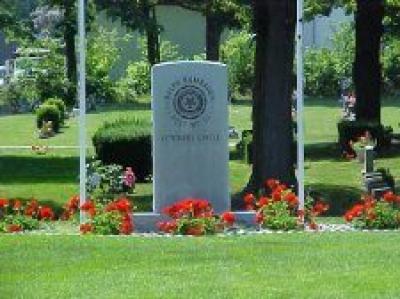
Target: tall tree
[(274, 22), (367, 70)]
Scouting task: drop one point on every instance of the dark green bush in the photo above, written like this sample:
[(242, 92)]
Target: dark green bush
[(125, 142), (244, 147), (352, 130), (59, 103), (47, 113)]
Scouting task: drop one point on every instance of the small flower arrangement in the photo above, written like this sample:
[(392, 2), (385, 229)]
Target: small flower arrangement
[(372, 213), (40, 149), (277, 207), (192, 216), (114, 218), (106, 182), (18, 217)]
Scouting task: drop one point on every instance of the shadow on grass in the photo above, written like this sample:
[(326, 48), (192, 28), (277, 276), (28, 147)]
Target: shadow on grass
[(136, 106), (323, 151), (38, 169), (339, 197), (143, 203)]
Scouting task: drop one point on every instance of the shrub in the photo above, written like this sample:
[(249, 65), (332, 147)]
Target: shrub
[(238, 53), (18, 217), (195, 217), (125, 142), (111, 219), (47, 113), (375, 213), (135, 83), (277, 207), (105, 182), (59, 103), (245, 145)]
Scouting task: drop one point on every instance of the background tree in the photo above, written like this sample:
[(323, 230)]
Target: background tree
[(274, 24), (219, 14), (137, 15)]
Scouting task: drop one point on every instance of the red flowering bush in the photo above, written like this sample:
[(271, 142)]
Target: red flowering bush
[(383, 213), (114, 218), (17, 217), (192, 216), (277, 207)]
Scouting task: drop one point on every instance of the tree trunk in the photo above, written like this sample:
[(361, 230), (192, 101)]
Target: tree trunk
[(367, 70), (272, 121), (152, 34), (213, 37)]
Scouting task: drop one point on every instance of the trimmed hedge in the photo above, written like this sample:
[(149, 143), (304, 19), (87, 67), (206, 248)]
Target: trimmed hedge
[(352, 130), (59, 103), (126, 142), (47, 113)]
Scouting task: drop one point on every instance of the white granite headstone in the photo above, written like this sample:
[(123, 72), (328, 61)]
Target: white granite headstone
[(190, 137)]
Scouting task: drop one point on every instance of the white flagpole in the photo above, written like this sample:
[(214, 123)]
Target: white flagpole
[(300, 102), (82, 105)]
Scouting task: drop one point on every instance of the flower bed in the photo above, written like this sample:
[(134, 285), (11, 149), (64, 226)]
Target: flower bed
[(195, 217), (372, 213), (277, 208)]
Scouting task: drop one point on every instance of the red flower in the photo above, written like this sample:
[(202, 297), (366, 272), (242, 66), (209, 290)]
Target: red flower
[(3, 203), (31, 208), (197, 230), (14, 228), (126, 226), (277, 194), (271, 184), (291, 199), (319, 208), (89, 207), (73, 203), (86, 228), (313, 226), (348, 216), (17, 205), (123, 205), (263, 201), (167, 226), (390, 197), (249, 198), (259, 218), (228, 218), (46, 213)]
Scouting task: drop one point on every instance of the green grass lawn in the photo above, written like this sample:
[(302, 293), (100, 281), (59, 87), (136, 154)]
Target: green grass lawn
[(335, 265), (54, 177)]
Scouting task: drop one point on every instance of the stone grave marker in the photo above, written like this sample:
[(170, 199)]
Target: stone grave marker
[(190, 133)]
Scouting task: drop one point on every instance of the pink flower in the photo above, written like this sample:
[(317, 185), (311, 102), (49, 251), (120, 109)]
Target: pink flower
[(129, 178)]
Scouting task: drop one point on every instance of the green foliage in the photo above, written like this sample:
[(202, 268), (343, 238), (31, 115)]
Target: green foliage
[(326, 68), (59, 103), (277, 215), (391, 64), (137, 80), (125, 142), (238, 53), (25, 222), (382, 215), (52, 81), (105, 182), (244, 147), (106, 223), (47, 113), (102, 53)]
